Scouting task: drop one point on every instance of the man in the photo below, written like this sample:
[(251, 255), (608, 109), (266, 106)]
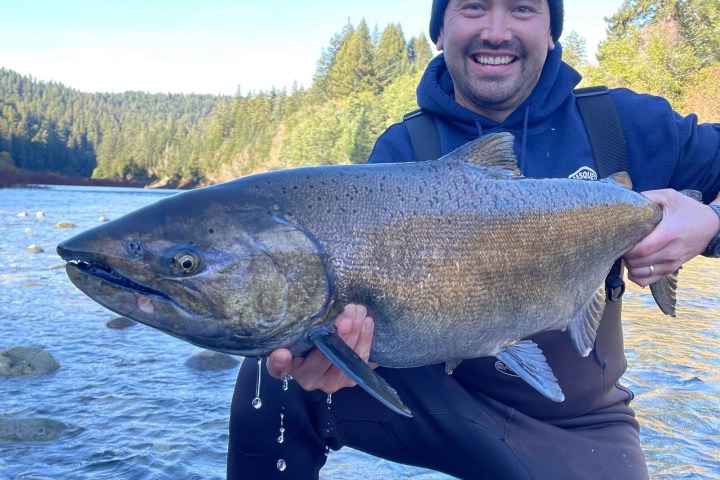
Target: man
[(501, 70)]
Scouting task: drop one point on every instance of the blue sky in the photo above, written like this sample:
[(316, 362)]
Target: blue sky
[(184, 46)]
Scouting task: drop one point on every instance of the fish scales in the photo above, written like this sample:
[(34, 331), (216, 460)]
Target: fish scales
[(431, 271)]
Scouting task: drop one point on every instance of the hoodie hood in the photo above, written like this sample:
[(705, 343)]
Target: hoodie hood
[(557, 80)]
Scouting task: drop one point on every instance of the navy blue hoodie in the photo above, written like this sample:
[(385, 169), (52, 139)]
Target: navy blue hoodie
[(665, 150)]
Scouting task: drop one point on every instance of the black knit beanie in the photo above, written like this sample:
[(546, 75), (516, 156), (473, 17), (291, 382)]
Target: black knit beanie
[(439, 6)]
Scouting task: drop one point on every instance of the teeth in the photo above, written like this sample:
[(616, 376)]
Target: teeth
[(484, 60)]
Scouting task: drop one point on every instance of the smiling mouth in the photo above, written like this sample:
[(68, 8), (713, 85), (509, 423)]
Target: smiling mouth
[(493, 60)]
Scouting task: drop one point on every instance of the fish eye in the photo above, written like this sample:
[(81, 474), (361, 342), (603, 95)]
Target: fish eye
[(185, 263)]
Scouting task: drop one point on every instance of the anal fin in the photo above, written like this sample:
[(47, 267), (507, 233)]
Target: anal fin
[(328, 342), (528, 362)]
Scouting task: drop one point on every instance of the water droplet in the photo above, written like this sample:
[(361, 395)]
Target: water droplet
[(286, 381), (281, 465), (257, 403), (329, 399), (281, 438)]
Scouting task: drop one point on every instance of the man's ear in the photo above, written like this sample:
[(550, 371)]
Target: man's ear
[(551, 42), (439, 43)]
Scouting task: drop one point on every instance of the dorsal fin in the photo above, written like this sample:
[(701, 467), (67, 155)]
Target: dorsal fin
[(621, 179), (492, 150)]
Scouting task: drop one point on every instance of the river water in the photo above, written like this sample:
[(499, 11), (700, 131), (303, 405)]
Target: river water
[(134, 411)]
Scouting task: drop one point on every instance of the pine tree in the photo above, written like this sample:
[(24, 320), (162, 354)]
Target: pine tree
[(352, 71), (391, 56)]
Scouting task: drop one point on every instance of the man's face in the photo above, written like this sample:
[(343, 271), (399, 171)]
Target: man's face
[(495, 51)]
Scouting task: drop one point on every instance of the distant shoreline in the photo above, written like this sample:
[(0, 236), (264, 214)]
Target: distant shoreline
[(16, 177)]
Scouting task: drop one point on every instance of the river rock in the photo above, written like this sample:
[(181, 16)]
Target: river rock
[(209, 360), (120, 323), (18, 361), (65, 225), (22, 214), (34, 249), (30, 429), (103, 219)]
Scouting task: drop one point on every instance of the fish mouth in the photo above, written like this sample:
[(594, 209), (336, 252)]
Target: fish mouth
[(107, 274)]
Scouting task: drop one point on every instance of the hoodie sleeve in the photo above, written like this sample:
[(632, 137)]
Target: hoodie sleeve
[(666, 149), (393, 146)]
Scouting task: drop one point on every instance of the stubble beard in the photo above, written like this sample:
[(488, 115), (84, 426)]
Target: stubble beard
[(497, 93)]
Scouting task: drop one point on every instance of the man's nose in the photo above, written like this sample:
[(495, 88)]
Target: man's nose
[(497, 27)]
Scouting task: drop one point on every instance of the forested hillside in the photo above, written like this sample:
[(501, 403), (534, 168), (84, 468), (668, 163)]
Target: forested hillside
[(364, 82)]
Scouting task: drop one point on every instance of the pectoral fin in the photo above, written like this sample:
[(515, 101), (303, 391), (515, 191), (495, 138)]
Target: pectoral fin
[(664, 291), (327, 340), (528, 362)]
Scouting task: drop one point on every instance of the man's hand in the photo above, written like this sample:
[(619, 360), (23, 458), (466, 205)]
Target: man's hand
[(315, 371), (684, 232)]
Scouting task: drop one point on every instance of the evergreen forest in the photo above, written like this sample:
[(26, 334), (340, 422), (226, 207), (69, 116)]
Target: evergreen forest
[(364, 82)]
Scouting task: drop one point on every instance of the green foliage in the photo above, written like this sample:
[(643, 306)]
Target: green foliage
[(360, 86), (363, 83), (420, 52), (352, 71), (658, 46), (703, 94), (575, 50), (391, 59)]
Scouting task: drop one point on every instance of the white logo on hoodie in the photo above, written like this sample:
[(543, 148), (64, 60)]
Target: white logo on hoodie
[(584, 173)]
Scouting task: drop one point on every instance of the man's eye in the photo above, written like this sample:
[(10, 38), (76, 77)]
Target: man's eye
[(473, 7)]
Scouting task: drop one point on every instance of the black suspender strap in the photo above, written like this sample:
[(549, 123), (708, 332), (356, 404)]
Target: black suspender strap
[(424, 134), (604, 130), (608, 146)]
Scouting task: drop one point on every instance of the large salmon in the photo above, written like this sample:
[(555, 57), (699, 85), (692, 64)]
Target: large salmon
[(456, 258)]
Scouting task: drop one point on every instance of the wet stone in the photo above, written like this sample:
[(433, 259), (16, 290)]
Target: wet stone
[(120, 323), (30, 429), (209, 360), (18, 361), (65, 225), (34, 249)]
